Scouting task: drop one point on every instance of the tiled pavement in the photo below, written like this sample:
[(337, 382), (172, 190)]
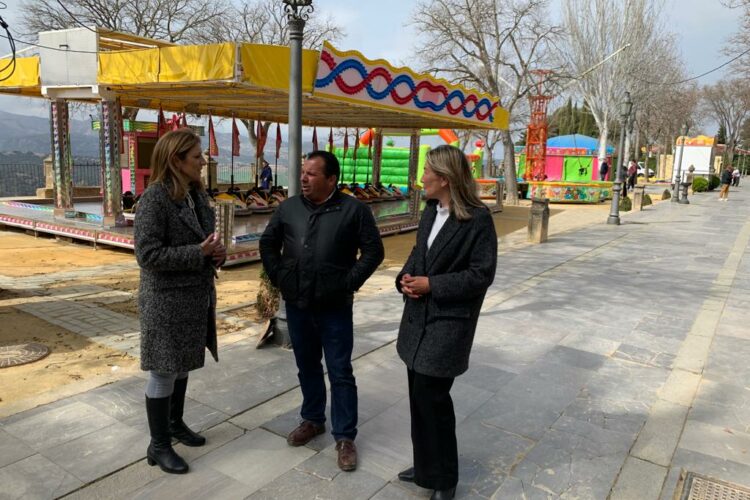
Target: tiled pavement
[(605, 362)]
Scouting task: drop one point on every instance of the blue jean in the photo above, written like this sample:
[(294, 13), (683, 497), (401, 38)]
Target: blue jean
[(316, 333)]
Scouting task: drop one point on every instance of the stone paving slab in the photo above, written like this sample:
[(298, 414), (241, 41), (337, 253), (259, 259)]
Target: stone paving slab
[(574, 372)]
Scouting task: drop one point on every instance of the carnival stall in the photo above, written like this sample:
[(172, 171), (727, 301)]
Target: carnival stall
[(571, 170), (113, 70)]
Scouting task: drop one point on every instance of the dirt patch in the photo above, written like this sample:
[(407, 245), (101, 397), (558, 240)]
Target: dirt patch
[(72, 359), (24, 255)]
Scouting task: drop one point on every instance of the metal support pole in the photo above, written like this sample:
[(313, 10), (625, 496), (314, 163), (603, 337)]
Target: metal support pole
[(62, 158), (415, 199), (377, 157), (678, 177), (296, 28), (109, 154)]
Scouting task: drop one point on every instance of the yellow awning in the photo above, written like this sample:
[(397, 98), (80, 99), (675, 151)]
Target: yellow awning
[(25, 78), (251, 81)]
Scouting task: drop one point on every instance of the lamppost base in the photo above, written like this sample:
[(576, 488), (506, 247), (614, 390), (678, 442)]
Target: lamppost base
[(614, 220), (683, 201)]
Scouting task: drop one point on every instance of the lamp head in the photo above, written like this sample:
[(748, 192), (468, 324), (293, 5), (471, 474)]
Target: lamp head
[(299, 9), (627, 106)]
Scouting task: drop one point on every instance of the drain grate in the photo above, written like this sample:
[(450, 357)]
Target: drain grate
[(20, 354), (698, 487)]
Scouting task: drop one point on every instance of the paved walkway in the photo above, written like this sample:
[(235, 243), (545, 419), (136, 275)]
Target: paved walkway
[(605, 362)]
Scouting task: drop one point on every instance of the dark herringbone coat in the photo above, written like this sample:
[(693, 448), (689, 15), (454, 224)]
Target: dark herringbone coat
[(177, 297), (437, 330)]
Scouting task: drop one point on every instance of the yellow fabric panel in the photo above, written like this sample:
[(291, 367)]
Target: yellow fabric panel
[(26, 73), (268, 66), (197, 63), (129, 66)]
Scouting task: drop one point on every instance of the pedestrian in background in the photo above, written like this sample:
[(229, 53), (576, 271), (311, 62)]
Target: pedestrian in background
[(603, 170), (632, 174), (178, 252), (443, 282), (318, 249), (726, 180)]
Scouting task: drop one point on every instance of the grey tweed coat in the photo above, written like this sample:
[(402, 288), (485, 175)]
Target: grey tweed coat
[(177, 297), (437, 330)]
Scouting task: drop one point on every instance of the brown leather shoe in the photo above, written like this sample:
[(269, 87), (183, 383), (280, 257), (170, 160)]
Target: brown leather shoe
[(304, 433), (347, 454)]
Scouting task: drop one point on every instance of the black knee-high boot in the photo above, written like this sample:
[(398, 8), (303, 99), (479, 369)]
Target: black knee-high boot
[(177, 427), (160, 450)]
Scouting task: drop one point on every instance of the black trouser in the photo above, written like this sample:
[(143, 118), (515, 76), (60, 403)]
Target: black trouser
[(433, 431)]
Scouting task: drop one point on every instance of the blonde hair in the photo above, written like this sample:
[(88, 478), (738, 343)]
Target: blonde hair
[(171, 146), (450, 163)]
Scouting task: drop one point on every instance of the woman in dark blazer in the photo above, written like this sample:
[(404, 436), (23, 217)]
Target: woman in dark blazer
[(178, 252), (443, 282)]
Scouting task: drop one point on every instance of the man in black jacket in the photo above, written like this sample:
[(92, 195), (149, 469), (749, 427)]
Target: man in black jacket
[(309, 251)]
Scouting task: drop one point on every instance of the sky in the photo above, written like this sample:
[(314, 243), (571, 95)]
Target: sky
[(381, 29)]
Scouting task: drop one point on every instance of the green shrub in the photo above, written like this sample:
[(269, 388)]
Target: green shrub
[(647, 200), (626, 205), (700, 185), (714, 182), (666, 195)]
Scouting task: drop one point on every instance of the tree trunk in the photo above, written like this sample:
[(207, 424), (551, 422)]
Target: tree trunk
[(509, 168), (603, 132), (637, 148), (626, 153)]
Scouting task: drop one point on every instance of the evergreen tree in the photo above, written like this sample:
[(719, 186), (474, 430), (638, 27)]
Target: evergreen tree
[(721, 135)]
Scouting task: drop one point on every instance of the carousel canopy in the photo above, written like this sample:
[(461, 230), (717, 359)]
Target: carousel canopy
[(340, 88)]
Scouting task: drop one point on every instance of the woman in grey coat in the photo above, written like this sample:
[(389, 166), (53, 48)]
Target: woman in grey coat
[(178, 253), (443, 282)]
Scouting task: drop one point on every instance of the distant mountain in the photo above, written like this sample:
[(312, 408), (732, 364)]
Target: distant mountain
[(32, 134), (21, 136)]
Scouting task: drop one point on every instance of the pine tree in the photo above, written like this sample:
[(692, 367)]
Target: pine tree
[(721, 135)]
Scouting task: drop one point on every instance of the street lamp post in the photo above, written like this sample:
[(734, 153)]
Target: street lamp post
[(614, 213), (298, 12), (678, 178)]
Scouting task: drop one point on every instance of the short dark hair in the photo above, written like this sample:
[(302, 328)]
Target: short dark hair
[(330, 162)]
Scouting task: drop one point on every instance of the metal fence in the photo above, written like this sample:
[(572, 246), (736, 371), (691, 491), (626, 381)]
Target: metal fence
[(23, 179), (246, 174)]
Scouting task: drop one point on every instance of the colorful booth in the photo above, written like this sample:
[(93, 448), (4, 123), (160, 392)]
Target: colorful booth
[(572, 171)]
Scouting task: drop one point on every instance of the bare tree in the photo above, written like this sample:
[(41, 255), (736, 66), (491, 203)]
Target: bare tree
[(265, 21), (492, 46), (738, 44), (171, 20), (728, 102), (592, 37)]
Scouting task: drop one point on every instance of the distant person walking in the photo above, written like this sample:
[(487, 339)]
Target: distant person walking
[(178, 251), (443, 282), (603, 170), (726, 180), (632, 173), (736, 177)]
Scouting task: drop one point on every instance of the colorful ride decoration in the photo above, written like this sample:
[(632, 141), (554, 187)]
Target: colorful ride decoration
[(568, 192), (349, 76), (536, 132), (394, 167), (570, 158)]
